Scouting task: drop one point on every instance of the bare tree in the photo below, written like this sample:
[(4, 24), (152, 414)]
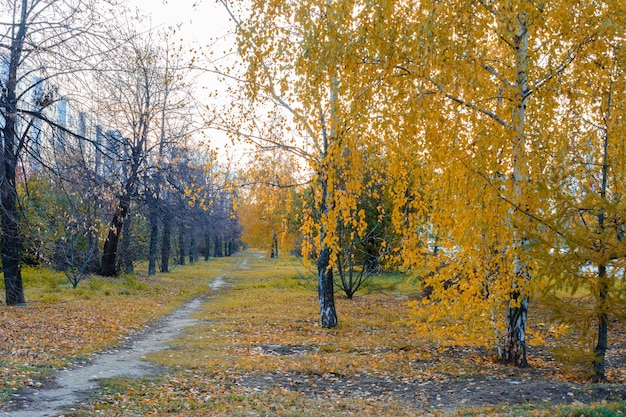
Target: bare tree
[(42, 42), (134, 90)]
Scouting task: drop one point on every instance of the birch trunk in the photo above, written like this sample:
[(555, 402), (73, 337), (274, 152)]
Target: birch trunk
[(515, 344), (325, 284)]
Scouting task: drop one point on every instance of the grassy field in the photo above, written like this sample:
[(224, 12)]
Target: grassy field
[(259, 351)]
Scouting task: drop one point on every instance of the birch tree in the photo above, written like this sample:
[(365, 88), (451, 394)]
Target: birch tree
[(271, 42), (269, 185), (466, 95), (483, 74), (586, 255), (501, 64)]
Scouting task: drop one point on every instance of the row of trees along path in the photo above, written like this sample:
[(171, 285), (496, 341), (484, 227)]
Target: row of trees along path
[(96, 131)]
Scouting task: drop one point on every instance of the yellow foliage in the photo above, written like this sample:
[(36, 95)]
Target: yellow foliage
[(497, 129)]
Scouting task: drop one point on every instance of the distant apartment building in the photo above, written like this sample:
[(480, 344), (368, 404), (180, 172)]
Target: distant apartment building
[(64, 133)]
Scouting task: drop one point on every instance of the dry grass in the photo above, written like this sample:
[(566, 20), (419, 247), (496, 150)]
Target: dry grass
[(60, 324), (271, 315), (259, 351)]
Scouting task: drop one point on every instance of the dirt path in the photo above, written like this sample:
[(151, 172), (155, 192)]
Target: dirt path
[(72, 385)]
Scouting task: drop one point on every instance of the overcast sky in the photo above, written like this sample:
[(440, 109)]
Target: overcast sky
[(202, 21)]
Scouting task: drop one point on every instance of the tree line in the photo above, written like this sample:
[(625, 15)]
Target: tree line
[(100, 164)]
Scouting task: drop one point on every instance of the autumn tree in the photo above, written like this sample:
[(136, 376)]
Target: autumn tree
[(293, 77), (503, 74), (473, 90), (174, 124), (207, 204), (138, 90), (585, 251), (468, 101), (59, 224), (268, 184), (364, 229)]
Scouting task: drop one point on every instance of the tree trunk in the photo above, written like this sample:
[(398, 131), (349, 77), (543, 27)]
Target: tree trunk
[(207, 249), (126, 255), (166, 244), (325, 284), (11, 243), (274, 252), (603, 285), (218, 247), (192, 249), (325, 289), (94, 263), (181, 246), (11, 251), (109, 253), (154, 236), (603, 326), (515, 343)]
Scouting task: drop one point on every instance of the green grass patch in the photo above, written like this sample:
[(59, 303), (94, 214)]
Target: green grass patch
[(600, 409)]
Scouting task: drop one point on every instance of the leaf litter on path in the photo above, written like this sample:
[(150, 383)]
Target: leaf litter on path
[(73, 384)]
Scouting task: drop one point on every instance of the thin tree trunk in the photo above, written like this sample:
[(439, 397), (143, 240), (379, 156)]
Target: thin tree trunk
[(154, 236), (166, 244), (515, 343), (218, 247), (192, 249), (603, 326), (274, 253), (207, 249), (181, 246), (126, 254), (325, 284), (603, 286)]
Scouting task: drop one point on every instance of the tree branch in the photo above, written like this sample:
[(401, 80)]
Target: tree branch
[(470, 105)]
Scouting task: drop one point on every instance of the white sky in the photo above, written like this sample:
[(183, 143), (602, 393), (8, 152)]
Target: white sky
[(202, 21)]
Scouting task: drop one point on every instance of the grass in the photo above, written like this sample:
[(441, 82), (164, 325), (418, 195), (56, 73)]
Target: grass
[(61, 324), (259, 350), (269, 306)]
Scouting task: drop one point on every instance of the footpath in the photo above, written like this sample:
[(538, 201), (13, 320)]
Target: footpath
[(72, 385)]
